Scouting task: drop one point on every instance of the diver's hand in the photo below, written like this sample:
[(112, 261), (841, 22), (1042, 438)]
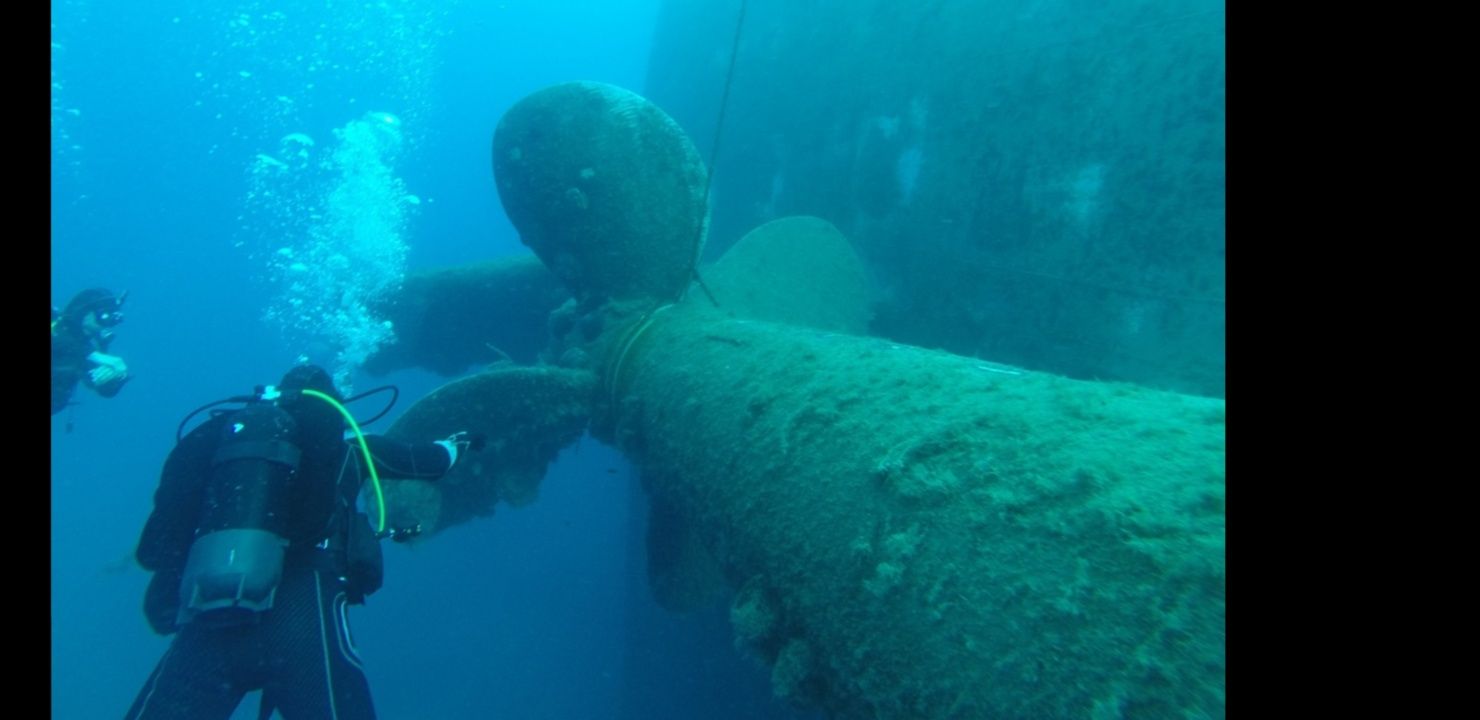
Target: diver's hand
[(110, 369), (458, 442), (110, 361)]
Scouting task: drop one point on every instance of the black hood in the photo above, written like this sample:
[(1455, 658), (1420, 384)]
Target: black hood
[(97, 300), (310, 377)]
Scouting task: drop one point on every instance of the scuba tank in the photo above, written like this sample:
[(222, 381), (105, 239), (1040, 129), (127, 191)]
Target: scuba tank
[(228, 497), (235, 561)]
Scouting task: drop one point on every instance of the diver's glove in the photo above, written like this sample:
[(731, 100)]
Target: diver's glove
[(110, 369), (400, 535), (461, 441)]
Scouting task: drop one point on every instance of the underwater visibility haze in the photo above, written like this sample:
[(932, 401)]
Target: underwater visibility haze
[(852, 359)]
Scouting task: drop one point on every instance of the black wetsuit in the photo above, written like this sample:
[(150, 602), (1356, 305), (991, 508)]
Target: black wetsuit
[(300, 652)]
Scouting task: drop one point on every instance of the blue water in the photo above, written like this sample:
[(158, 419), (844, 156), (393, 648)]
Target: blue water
[(161, 114)]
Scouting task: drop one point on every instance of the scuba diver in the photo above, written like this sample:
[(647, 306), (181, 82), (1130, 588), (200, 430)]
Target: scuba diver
[(256, 548), (80, 335)]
